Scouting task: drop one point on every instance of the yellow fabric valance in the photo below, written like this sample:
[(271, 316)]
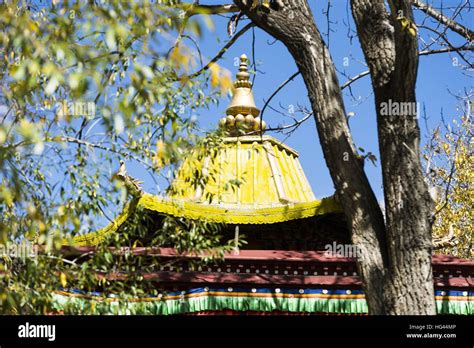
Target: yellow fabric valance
[(198, 211)]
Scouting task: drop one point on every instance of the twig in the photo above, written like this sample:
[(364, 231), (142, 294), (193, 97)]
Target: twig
[(355, 78), (422, 53), (276, 92), (447, 49), (222, 51)]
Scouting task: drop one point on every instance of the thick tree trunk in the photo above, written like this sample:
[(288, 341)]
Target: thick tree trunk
[(391, 51), (395, 262), (294, 25)]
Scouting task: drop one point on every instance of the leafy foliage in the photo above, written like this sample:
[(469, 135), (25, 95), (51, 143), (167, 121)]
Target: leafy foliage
[(82, 87), (450, 157)]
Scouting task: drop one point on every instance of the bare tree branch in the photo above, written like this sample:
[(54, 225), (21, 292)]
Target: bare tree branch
[(355, 78), (292, 127), (447, 49), (422, 53), (451, 24), (222, 51), (445, 39), (278, 90)]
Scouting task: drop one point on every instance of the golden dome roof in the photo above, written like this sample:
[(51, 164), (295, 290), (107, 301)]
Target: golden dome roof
[(249, 178), (247, 171)]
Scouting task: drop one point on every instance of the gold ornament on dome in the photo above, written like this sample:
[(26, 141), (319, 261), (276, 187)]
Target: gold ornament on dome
[(242, 113)]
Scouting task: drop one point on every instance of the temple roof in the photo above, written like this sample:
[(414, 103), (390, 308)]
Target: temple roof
[(248, 178)]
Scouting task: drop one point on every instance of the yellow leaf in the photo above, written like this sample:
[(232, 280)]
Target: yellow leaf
[(214, 68), (180, 58), (403, 22), (61, 210), (6, 196), (159, 159), (63, 280), (33, 26), (160, 147), (3, 136)]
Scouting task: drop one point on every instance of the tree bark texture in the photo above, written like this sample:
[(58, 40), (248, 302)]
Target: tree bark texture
[(389, 45), (294, 25)]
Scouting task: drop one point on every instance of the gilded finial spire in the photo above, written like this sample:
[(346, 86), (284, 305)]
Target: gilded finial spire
[(242, 113), (243, 77)]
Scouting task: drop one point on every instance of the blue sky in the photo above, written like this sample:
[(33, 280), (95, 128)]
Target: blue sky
[(438, 79)]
